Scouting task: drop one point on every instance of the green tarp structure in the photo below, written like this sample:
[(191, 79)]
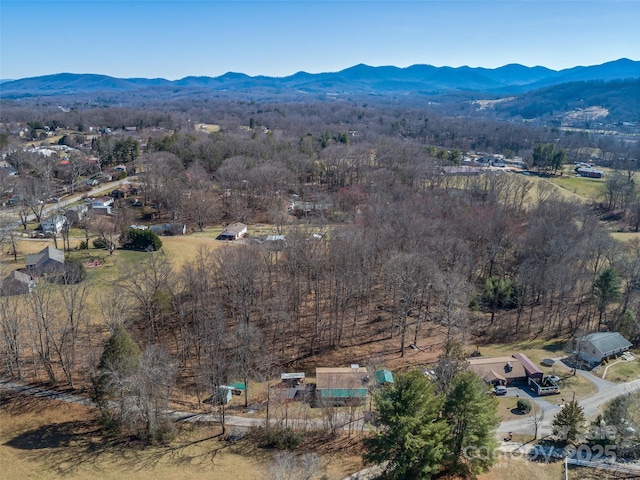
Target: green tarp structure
[(384, 376), (343, 392)]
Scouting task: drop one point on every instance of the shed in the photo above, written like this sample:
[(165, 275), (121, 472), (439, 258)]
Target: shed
[(384, 376), (221, 395), (275, 238), (292, 379), (596, 347), (237, 388)]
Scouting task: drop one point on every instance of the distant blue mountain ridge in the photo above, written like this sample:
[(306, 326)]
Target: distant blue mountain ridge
[(425, 79)]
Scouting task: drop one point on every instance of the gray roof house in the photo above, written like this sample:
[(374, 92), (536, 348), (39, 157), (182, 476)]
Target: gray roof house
[(17, 283), (48, 261), (595, 347)]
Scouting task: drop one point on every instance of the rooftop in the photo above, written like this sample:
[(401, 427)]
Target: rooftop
[(341, 378), (607, 341), (497, 368)]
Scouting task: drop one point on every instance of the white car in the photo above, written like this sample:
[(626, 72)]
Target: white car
[(500, 390)]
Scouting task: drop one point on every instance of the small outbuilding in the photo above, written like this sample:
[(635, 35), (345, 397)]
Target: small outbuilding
[(384, 377), (596, 347), (221, 396)]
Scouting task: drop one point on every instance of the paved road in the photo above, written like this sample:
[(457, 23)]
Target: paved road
[(606, 391), (181, 416)]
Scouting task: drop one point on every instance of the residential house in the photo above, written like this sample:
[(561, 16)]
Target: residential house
[(54, 224), (342, 385), (17, 283), (498, 370), (76, 213), (121, 192), (48, 261), (516, 369), (102, 205), (235, 231), (101, 202), (596, 347)]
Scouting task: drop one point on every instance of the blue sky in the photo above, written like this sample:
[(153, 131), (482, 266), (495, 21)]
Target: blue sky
[(174, 39)]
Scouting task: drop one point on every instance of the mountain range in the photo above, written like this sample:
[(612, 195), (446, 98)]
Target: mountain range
[(359, 79)]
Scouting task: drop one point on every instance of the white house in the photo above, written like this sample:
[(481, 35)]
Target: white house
[(53, 224), (234, 231), (596, 347), (102, 202)]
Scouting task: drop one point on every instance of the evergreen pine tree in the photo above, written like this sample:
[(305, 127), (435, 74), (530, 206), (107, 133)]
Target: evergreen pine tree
[(472, 418), (411, 435)]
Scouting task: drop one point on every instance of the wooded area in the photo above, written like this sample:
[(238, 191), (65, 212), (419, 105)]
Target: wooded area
[(387, 251)]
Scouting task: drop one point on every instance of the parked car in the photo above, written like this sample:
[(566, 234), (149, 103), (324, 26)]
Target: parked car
[(553, 378), (500, 390)]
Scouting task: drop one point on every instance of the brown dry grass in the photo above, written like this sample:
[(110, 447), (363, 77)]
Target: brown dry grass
[(517, 468), (507, 409), (48, 439)]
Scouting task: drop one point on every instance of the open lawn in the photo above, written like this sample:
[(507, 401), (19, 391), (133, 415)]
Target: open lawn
[(532, 195), (588, 188), (622, 371), (48, 439), (507, 409), (206, 127), (626, 236)]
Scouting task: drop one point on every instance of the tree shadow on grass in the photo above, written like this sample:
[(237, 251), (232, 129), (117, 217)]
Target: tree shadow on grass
[(555, 347), (52, 436), (70, 446)]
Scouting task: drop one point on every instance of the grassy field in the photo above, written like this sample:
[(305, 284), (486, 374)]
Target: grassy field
[(588, 188), (518, 468), (206, 127), (507, 409), (625, 236), (623, 371), (47, 439), (563, 192)]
